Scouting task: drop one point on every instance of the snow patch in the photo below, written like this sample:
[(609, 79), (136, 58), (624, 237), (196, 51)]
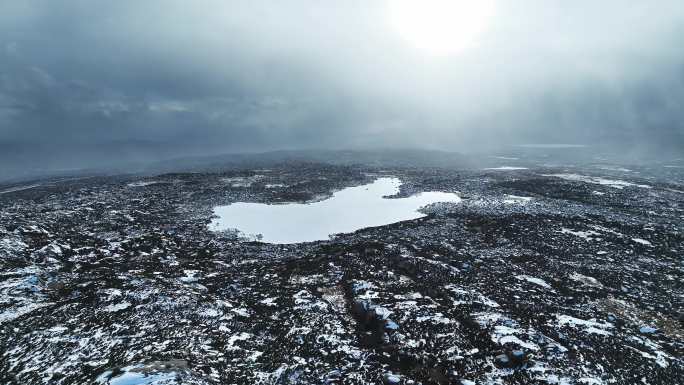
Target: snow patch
[(614, 183), (588, 235), (144, 183), (588, 326), (506, 168), (513, 199), (586, 280), (117, 307), (642, 241), (536, 281)]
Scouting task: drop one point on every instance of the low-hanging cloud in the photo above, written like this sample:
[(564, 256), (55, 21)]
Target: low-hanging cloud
[(87, 81)]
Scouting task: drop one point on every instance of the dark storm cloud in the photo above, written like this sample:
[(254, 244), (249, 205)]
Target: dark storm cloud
[(97, 81)]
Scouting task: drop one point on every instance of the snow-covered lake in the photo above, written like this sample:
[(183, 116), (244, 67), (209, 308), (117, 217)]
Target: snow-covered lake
[(346, 211)]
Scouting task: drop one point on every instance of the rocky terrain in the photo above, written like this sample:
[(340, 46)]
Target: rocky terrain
[(542, 274)]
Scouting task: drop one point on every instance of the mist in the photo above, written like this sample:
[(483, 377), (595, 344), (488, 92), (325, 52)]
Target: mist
[(96, 83)]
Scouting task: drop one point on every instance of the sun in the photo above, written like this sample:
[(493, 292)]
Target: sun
[(441, 27)]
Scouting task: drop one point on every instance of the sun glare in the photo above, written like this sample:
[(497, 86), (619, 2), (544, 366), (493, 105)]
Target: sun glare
[(441, 27)]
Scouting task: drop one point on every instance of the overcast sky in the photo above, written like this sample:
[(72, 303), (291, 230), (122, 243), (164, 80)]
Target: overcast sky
[(81, 80)]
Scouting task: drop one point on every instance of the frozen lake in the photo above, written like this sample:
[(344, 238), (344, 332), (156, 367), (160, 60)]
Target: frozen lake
[(348, 210)]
